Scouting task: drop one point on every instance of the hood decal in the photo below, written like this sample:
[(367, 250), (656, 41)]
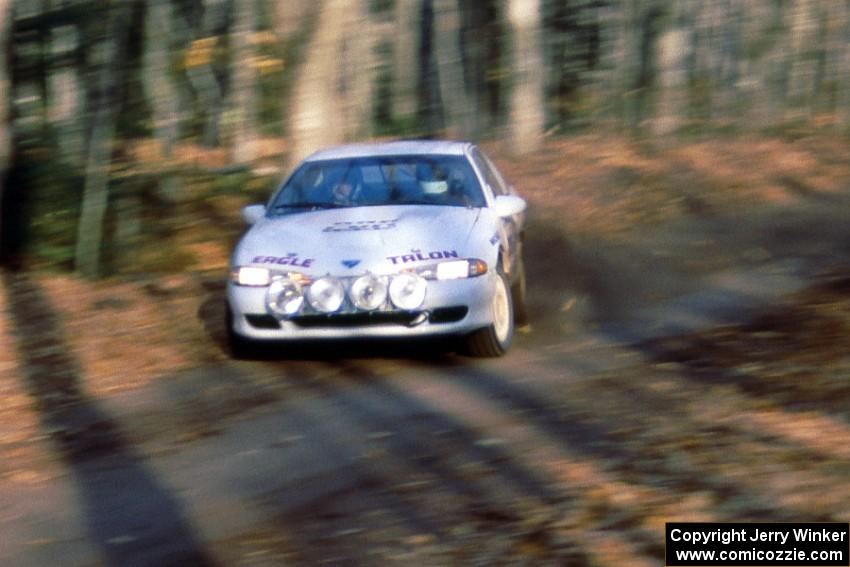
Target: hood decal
[(346, 226), (419, 256), (382, 239), (350, 263), (291, 259)]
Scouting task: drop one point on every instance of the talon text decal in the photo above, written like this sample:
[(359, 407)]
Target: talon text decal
[(345, 226), (419, 256), (290, 259)]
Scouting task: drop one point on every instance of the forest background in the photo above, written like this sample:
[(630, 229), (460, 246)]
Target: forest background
[(126, 126)]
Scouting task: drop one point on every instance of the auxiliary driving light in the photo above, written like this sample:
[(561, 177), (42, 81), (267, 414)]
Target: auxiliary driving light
[(284, 297), (407, 291), (326, 295), (368, 292)]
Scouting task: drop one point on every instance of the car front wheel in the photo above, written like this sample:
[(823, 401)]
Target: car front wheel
[(495, 339), (518, 293)]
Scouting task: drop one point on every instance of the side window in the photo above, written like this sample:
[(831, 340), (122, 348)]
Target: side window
[(490, 173)]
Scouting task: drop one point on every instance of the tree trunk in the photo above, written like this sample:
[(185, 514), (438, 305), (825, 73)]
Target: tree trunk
[(404, 58), (289, 16), (160, 89), (156, 76), (428, 111), (65, 94), (317, 112), (670, 108), (479, 37), (802, 67), (766, 70), (5, 128), (110, 61), (5, 88), (616, 37), (243, 83), (527, 116), (356, 71), (842, 72), (200, 72), (457, 107)]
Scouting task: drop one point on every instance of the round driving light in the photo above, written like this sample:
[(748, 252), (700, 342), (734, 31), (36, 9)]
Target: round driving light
[(326, 295), (284, 297), (407, 291), (368, 292)]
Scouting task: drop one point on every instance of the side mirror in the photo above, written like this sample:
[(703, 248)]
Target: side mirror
[(508, 205), (253, 213)]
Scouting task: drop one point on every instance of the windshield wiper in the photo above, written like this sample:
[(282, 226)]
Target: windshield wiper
[(422, 202), (308, 205)]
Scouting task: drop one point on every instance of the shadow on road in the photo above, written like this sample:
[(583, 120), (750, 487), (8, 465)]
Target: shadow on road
[(632, 457), (131, 517)]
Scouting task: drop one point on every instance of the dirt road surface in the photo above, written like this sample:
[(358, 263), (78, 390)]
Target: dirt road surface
[(614, 413)]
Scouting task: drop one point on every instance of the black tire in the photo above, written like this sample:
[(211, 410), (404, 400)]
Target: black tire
[(489, 342), (518, 294), (238, 346)]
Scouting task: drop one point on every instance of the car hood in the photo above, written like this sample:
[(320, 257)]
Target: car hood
[(355, 240)]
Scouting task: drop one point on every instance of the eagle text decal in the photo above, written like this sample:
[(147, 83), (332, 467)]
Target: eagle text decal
[(290, 259)]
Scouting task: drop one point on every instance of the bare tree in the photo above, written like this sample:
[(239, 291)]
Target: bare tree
[(673, 45), (526, 121), (288, 16), (456, 103), (428, 112), (5, 90), (841, 51), (65, 93), (243, 82), (356, 70), (405, 40), (5, 120), (615, 64), (159, 85), (803, 31), (109, 59), (157, 80), (316, 112), (200, 71)]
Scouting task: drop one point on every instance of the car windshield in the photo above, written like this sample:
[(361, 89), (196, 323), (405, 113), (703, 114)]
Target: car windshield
[(381, 180)]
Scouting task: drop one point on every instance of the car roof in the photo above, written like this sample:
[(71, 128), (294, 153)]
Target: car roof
[(401, 147)]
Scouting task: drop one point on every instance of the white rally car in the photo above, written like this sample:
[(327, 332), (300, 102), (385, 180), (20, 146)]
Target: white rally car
[(397, 239)]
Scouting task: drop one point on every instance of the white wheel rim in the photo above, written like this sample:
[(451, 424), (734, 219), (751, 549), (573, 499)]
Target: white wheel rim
[(501, 311)]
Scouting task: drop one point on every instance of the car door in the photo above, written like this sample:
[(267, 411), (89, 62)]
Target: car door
[(511, 227)]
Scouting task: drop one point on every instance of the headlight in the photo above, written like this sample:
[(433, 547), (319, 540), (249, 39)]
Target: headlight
[(326, 295), (368, 292), (284, 297), (407, 291), (454, 269), (250, 276)]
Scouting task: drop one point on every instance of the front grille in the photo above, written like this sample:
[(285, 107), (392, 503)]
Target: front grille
[(448, 314), (357, 319), (262, 321), (361, 319)]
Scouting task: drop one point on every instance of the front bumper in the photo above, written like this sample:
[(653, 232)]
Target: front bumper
[(450, 307)]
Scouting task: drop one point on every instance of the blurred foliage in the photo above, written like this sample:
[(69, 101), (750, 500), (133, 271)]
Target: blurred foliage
[(707, 69), (381, 7), (48, 195)]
